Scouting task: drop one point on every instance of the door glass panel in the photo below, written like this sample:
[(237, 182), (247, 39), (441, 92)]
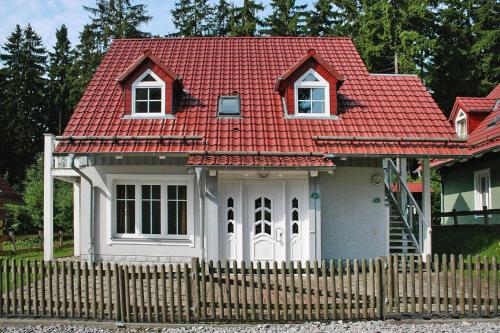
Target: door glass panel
[(263, 218)]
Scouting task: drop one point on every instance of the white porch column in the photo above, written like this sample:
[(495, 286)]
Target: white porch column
[(76, 219), (212, 218), (48, 199), (426, 207), (314, 218)]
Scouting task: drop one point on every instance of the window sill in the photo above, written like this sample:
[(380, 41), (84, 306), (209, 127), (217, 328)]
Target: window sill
[(161, 116), (151, 241), (296, 116)]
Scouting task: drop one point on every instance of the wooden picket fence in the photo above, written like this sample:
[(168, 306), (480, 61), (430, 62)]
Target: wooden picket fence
[(202, 292)]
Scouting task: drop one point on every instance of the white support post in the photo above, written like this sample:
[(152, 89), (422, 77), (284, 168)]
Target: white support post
[(426, 207), (76, 218), (48, 199)]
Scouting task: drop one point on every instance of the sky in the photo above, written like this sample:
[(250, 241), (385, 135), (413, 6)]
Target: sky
[(45, 16)]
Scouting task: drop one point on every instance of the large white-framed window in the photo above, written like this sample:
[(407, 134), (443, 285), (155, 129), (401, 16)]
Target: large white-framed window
[(482, 189), (461, 124), (148, 95), (312, 95), (151, 207)]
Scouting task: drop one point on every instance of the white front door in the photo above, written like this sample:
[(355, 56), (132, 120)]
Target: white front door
[(266, 220)]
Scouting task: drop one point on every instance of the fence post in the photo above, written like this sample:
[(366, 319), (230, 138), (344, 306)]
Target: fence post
[(380, 289), (13, 241)]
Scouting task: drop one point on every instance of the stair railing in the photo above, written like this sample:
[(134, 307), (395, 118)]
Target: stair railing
[(398, 192)]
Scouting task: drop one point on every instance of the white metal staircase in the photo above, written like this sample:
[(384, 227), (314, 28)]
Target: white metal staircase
[(406, 222)]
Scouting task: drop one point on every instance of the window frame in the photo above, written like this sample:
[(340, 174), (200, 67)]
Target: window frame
[(219, 106), (164, 182), (321, 83), (477, 188), (461, 117), (159, 83)]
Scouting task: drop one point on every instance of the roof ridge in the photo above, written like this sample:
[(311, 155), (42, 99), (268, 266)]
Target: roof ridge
[(389, 74), (236, 37)]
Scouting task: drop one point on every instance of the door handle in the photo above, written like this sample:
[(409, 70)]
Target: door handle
[(279, 234)]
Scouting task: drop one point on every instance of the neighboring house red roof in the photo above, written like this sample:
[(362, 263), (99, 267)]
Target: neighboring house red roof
[(486, 135), (7, 194), (414, 187), (369, 105)]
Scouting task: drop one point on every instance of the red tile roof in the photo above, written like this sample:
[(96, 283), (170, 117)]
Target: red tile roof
[(369, 105), (7, 194), (486, 136), (248, 161), (495, 93)]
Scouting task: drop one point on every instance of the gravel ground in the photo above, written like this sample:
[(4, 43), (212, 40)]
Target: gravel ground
[(369, 326)]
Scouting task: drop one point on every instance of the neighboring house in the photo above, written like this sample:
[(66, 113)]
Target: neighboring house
[(473, 183), (244, 148), (7, 196)]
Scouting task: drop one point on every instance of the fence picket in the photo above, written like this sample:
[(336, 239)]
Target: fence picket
[(365, 288), (219, 289), (29, 298), (244, 290), (71, 274), (148, 299), (301, 290), (140, 295), (7, 286), (486, 286), (64, 289), (494, 273), (308, 290), (268, 291), (356, 289), (276, 292), (349, 288), (428, 271), (324, 278), (178, 278), (187, 289), (413, 304), (390, 284), (397, 302), (285, 290), (110, 295), (293, 309), (21, 286), (236, 291), (404, 283), (420, 284), (227, 287), (13, 275), (116, 284), (371, 268), (126, 275), (462, 284), (203, 290), (164, 303), (171, 293), (2, 277), (444, 263), (453, 285), (252, 291), (42, 288), (260, 296), (478, 286), (316, 291), (101, 291), (212, 288), (195, 266), (341, 289), (437, 284), (157, 296), (333, 288), (470, 297)]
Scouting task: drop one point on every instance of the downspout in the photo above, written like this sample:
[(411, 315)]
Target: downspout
[(201, 195), (315, 181), (91, 220)]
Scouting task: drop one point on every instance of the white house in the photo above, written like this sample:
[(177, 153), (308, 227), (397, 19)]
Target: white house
[(247, 149)]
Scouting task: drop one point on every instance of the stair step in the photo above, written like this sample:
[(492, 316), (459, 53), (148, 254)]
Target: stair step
[(409, 247)]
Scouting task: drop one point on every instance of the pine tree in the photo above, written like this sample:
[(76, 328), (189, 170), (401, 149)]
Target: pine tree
[(320, 19), (60, 62), (117, 19), (245, 19), (221, 18), (286, 19), (24, 84), (192, 17)]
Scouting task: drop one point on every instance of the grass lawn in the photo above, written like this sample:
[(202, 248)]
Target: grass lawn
[(481, 242)]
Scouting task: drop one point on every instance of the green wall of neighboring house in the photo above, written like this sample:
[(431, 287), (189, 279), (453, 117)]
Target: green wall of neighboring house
[(458, 187)]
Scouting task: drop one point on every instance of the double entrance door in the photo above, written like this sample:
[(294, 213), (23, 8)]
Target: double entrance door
[(264, 220)]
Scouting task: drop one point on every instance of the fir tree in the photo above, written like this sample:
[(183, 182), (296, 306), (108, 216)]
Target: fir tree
[(221, 18), (192, 17), (245, 19), (286, 19), (320, 19), (24, 60), (60, 62), (117, 19)]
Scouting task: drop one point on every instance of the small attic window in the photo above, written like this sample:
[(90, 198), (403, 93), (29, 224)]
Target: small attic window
[(229, 106), (461, 124), (312, 95), (148, 95)]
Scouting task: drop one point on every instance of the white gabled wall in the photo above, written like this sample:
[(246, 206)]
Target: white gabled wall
[(353, 223)]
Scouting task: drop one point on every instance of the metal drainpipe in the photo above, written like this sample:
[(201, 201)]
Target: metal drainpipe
[(201, 195), (91, 222), (315, 180)]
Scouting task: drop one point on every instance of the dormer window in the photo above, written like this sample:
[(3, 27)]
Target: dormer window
[(461, 124), (148, 95), (229, 106), (312, 95)]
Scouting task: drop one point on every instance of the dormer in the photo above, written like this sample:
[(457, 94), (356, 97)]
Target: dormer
[(151, 89), (461, 124), (469, 112), (309, 88)]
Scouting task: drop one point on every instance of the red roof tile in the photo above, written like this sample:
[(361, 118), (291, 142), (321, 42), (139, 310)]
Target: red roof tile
[(495, 93), (248, 161), (369, 105)]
